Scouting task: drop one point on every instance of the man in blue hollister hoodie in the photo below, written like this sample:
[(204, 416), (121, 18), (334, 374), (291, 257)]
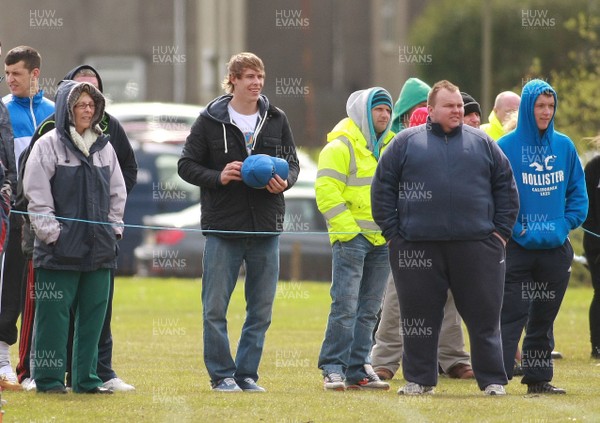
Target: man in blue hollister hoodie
[(553, 201)]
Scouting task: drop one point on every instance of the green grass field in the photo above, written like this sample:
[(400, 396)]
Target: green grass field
[(157, 332)]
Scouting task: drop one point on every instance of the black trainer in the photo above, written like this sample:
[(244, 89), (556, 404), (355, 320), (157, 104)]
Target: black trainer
[(544, 388)]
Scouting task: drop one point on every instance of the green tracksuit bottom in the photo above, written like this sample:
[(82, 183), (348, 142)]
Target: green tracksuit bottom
[(56, 291)]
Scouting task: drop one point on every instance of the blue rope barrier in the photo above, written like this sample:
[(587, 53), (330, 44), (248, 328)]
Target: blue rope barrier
[(170, 228)]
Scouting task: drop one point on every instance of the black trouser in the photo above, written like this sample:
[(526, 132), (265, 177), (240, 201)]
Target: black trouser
[(536, 281), (592, 255), (474, 272), (12, 294)]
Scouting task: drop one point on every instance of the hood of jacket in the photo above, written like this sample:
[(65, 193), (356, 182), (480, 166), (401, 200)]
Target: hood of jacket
[(527, 129), (217, 109), (66, 96), (71, 74), (358, 108), (413, 92)]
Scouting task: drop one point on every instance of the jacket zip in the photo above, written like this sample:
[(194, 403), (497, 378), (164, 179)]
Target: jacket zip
[(32, 114)]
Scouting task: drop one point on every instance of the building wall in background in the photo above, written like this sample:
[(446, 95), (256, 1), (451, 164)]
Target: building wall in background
[(316, 52)]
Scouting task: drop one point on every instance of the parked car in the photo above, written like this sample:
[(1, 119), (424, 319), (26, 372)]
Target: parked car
[(159, 189), (158, 132), (151, 127), (156, 122), (308, 170), (174, 245)]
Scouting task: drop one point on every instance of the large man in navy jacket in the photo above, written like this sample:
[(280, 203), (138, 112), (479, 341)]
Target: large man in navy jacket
[(445, 198)]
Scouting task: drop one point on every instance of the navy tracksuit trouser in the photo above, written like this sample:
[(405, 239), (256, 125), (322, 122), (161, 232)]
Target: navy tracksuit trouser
[(536, 282), (474, 272)]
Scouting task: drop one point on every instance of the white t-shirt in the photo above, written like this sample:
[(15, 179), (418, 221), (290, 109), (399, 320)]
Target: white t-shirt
[(247, 124)]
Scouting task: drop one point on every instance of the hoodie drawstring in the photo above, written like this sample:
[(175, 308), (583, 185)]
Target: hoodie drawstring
[(224, 138), (66, 153), (259, 127)]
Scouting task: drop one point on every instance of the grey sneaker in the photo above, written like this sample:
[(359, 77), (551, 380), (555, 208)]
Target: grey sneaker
[(494, 389), (412, 388), (226, 385), (334, 382), (249, 385), (118, 385), (372, 381)]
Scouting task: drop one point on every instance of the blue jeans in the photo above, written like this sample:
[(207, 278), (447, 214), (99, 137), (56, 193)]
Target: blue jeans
[(222, 260), (360, 274)]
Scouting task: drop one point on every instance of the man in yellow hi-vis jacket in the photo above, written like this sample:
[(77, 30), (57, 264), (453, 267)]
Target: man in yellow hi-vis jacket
[(360, 255)]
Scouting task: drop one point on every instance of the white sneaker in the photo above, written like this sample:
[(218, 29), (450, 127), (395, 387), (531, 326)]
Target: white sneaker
[(28, 384), (8, 379), (117, 385), (494, 389), (8, 373), (412, 388)]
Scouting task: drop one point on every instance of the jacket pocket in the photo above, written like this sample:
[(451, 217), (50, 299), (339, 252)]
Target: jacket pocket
[(71, 247), (271, 146), (105, 245)]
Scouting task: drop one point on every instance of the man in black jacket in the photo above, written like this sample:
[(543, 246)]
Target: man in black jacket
[(445, 198), (128, 164), (231, 128)]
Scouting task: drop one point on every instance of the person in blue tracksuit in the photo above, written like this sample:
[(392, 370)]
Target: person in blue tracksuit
[(27, 107), (553, 201)]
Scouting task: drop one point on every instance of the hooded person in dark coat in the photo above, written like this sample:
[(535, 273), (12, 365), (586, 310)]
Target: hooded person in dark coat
[(76, 195), (116, 135)]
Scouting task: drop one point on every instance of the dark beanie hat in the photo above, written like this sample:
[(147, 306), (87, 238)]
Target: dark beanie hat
[(470, 104), (381, 97)]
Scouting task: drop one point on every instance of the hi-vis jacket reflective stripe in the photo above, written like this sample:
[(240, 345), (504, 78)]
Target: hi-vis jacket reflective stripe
[(343, 186)]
